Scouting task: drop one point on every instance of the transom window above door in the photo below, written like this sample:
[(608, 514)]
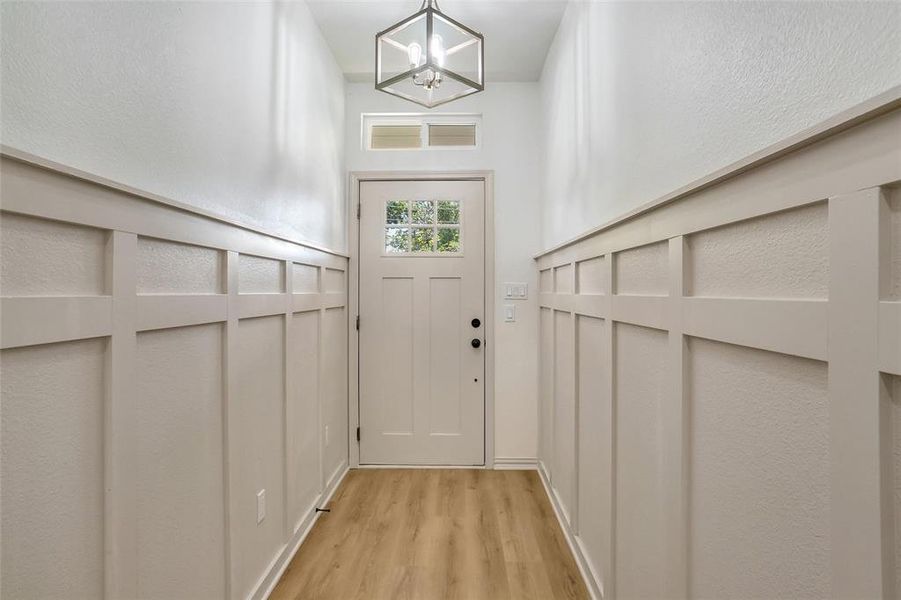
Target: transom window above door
[(386, 132), (423, 227)]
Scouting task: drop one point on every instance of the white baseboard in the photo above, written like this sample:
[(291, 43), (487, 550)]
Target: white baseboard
[(515, 463), (277, 568), (595, 588)]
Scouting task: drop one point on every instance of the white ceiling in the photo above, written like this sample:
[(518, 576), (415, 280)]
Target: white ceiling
[(517, 33)]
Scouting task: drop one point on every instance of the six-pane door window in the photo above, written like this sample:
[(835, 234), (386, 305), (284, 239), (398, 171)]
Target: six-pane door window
[(422, 226)]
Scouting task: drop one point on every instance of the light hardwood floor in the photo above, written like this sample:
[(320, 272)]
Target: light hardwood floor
[(432, 534)]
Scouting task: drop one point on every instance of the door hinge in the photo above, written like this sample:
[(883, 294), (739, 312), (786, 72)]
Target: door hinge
[(358, 434), (358, 322), (359, 210)]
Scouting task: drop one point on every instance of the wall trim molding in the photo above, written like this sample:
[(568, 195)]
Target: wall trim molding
[(515, 463), (585, 570), (121, 233), (865, 111), (268, 582), (721, 265), (56, 167)]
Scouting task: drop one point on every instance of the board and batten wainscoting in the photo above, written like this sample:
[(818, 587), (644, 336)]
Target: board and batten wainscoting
[(160, 367), (720, 399)]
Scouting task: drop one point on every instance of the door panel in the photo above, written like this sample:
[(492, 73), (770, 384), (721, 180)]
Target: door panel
[(421, 285), (445, 364), (397, 306)]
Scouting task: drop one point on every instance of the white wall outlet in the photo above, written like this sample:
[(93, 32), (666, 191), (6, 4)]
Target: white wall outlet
[(326, 435), (261, 506), (516, 291), (509, 313)]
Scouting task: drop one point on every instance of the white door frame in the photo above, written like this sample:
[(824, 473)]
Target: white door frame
[(353, 298)]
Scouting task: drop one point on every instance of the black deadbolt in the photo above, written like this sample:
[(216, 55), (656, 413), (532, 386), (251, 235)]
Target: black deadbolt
[(476, 343), (476, 323)]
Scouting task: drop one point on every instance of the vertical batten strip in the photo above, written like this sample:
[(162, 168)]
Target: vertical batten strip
[(675, 420), (885, 246), (320, 370), (120, 498), (854, 394), (287, 408), (888, 486), (609, 587), (887, 433), (574, 373), (552, 394), (229, 397)]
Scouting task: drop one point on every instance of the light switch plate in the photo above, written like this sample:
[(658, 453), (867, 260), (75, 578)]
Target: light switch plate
[(516, 291), (509, 313)]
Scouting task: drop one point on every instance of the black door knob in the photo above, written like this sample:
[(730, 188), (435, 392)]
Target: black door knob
[(476, 323), (476, 342)]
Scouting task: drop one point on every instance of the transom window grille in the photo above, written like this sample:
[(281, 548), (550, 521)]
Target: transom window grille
[(423, 227), (422, 133), (395, 137)]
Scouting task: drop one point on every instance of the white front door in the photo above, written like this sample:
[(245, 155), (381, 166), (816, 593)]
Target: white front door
[(422, 302)]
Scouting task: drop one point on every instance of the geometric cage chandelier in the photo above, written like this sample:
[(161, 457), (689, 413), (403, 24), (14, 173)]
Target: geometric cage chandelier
[(429, 58)]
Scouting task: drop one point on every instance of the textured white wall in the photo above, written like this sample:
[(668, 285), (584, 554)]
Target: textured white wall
[(258, 275), (640, 393), (333, 391), (564, 411), (179, 458), (53, 412), (171, 268), (259, 449), (545, 411), (303, 437), (594, 431), (758, 416), (233, 107), (737, 260), (641, 98), (642, 271), (509, 148), (65, 259)]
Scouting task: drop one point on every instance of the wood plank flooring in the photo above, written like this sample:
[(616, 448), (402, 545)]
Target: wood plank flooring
[(432, 534)]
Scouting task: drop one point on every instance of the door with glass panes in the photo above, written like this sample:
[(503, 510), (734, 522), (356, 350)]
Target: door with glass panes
[(422, 301)]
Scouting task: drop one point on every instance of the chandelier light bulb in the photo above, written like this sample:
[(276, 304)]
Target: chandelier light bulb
[(414, 52), (437, 47)]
